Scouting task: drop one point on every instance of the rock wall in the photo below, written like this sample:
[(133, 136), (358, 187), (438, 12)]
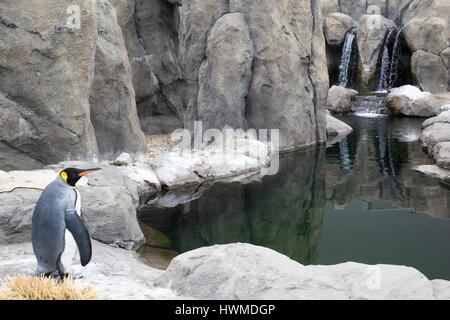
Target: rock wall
[(233, 63), (428, 38), (155, 65), (243, 271), (47, 79), (236, 63)]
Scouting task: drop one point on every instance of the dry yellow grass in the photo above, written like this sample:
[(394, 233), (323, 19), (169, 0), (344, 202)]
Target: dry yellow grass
[(40, 288)]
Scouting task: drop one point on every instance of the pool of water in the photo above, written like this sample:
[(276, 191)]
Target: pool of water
[(358, 200)]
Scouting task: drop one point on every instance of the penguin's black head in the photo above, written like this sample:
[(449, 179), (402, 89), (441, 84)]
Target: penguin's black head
[(72, 175)]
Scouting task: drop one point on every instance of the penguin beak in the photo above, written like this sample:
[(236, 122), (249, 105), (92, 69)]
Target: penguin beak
[(88, 171)]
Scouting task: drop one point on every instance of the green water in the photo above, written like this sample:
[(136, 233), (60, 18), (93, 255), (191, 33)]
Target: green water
[(357, 200)]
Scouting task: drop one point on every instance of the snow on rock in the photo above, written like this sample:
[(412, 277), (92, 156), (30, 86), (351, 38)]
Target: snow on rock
[(409, 91), (409, 100)]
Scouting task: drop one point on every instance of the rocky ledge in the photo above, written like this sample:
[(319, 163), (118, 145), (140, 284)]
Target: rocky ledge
[(235, 271), (435, 138), (111, 195)]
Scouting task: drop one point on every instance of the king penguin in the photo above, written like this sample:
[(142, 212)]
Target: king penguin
[(56, 225)]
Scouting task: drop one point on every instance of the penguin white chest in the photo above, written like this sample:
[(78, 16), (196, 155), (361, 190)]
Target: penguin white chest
[(78, 202), (69, 242)]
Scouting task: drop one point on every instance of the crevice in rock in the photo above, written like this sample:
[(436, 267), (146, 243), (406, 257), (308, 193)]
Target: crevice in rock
[(37, 33), (313, 7), (247, 111), (136, 27), (8, 25), (43, 54), (14, 26), (399, 19), (387, 10)]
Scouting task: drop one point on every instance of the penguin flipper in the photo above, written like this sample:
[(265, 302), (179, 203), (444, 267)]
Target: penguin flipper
[(80, 234)]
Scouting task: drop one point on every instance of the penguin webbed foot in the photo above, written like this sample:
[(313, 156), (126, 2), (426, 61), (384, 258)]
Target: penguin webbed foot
[(56, 275), (71, 276)]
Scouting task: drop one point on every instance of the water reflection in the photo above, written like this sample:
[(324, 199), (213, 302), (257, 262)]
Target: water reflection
[(358, 200), (382, 155), (284, 212)]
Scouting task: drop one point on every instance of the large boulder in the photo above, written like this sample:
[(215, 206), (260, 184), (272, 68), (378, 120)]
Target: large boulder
[(45, 80), (225, 75), (112, 99), (430, 71), (337, 128), (408, 100), (435, 133), (443, 117), (289, 81), (427, 9), (335, 27), (436, 138), (196, 19), (441, 153), (339, 99), (429, 34), (244, 271), (371, 34), (110, 215)]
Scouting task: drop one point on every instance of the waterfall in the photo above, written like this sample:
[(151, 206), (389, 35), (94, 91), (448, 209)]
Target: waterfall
[(369, 106), (389, 60), (393, 73), (347, 49)]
